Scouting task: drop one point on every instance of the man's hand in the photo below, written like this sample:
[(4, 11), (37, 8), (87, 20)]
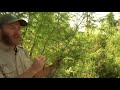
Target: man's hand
[(47, 71), (37, 66), (38, 63)]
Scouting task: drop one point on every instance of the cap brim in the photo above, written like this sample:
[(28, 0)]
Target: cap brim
[(21, 21)]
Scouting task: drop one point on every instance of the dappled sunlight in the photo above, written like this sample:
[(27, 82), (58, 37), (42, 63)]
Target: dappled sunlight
[(87, 43)]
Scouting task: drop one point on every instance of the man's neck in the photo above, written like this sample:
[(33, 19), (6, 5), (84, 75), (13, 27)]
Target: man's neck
[(5, 46)]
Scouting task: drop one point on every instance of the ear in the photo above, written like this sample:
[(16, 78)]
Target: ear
[(0, 33), (0, 30)]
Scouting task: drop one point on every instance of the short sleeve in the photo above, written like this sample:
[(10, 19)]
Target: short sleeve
[(27, 59)]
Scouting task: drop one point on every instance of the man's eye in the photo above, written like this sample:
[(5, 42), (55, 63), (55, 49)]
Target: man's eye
[(11, 27)]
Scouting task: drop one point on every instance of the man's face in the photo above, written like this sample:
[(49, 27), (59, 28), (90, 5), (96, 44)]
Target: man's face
[(11, 34)]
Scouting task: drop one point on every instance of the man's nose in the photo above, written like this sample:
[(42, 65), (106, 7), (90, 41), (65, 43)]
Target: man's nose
[(17, 31)]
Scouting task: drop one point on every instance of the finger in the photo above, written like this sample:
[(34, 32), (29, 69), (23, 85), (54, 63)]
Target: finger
[(41, 58)]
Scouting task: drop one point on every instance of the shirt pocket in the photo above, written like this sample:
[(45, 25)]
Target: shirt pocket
[(9, 72)]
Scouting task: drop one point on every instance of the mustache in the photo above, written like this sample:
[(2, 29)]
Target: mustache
[(16, 35)]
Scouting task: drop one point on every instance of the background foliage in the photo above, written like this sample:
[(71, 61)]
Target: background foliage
[(94, 53)]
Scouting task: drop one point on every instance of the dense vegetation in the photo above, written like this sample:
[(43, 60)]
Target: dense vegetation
[(94, 53)]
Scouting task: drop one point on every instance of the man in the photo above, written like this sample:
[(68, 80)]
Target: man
[(14, 60)]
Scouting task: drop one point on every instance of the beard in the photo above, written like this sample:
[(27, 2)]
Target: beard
[(10, 40)]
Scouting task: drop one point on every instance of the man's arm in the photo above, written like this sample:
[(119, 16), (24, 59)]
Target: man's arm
[(45, 72), (49, 70), (36, 67), (28, 73)]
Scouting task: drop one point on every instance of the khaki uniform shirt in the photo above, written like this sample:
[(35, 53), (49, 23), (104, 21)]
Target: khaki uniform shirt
[(12, 65)]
